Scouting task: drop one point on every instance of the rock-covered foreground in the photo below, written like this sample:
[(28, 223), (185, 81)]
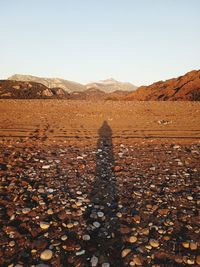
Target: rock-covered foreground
[(105, 205)]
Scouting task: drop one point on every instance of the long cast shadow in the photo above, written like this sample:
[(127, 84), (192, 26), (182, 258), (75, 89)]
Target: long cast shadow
[(106, 240)]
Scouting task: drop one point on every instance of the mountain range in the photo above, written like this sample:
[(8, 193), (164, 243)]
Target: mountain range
[(185, 87), (107, 86)]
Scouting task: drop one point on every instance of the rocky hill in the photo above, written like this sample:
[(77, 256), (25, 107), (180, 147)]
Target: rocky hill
[(29, 90), (68, 86), (186, 87), (111, 85)]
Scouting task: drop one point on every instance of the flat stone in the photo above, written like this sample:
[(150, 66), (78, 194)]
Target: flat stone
[(46, 167), (96, 224), (154, 243), (46, 255), (125, 252), (132, 239), (81, 252), (44, 225)]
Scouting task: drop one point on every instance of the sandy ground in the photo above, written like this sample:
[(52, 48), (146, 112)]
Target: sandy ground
[(99, 184), (80, 120)]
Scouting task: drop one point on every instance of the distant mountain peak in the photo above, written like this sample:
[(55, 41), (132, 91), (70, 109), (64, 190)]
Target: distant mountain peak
[(111, 85)]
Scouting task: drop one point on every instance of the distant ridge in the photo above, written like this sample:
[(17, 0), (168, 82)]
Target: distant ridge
[(111, 85), (66, 85), (183, 88)]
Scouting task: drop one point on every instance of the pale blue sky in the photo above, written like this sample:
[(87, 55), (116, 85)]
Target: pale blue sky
[(140, 41)]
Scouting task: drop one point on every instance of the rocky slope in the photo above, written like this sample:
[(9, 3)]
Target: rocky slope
[(111, 85), (186, 87), (29, 90), (68, 86)]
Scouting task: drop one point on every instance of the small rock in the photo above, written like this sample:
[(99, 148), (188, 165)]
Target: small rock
[(46, 167), (12, 243), (193, 246), (64, 237), (70, 225), (44, 225), (186, 244), (136, 261), (46, 255), (117, 168), (125, 252), (86, 237), (119, 214), (136, 218), (100, 214), (96, 224), (154, 243), (81, 252), (94, 261), (132, 239), (49, 211), (26, 210), (105, 264), (198, 259)]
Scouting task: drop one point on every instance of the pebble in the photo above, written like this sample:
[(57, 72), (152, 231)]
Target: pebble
[(49, 211), (119, 214), (86, 237), (193, 246), (44, 225), (46, 255), (132, 239), (105, 264), (136, 261), (190, 262), (154, 243), (125, 252), (64, 237), (94, 261), (198, 259), (186, 244), (81, 252), (46, 167), (12, 243), (137, 218), (100, 214), (96, 224), (26, 210), (70, 225)]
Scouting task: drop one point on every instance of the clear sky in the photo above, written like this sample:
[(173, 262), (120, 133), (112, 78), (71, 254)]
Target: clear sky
[(140, 41)]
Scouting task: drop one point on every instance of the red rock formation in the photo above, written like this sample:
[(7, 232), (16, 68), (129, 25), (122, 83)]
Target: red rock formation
[(186, 87)]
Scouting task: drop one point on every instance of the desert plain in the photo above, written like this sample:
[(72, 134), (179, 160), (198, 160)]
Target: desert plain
[(99, 183)]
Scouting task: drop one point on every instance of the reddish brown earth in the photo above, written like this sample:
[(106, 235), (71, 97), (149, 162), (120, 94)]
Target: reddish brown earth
[(29, 90), (99, 183), (186, 87)]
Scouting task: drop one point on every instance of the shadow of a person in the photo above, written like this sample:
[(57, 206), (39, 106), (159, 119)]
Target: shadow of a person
[(105, 243)]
